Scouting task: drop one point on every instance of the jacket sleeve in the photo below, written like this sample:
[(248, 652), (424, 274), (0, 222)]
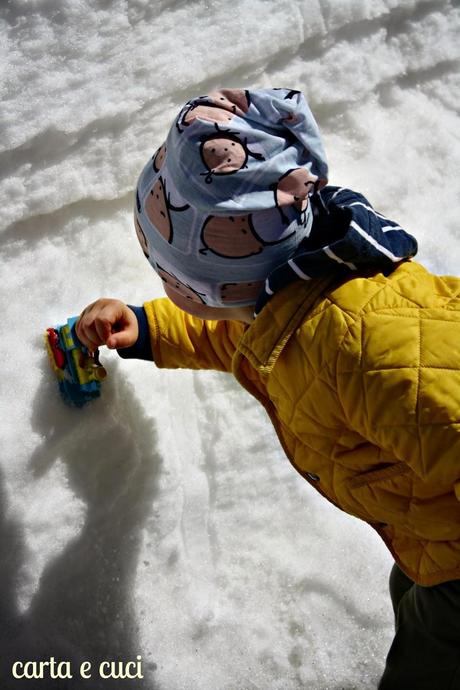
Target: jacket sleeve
[(179, 340), (397, 381)]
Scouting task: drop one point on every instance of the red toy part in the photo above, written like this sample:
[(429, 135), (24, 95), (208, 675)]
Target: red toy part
[(53, 340)]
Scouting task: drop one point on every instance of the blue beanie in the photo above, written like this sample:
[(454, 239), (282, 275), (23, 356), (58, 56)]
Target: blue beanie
[(225, 200)]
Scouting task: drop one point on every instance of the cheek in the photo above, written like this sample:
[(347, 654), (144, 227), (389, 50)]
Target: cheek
[(142, 238), (189, 295), (189, 306)]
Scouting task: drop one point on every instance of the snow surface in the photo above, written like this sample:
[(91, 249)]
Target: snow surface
[(164, 520)]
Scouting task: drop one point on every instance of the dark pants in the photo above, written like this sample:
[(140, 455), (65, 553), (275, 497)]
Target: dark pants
[(425, 653)]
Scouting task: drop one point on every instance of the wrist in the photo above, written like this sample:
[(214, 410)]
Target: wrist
[(142, 348)]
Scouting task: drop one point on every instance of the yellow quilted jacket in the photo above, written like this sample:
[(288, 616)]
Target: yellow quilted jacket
[(362, 383)]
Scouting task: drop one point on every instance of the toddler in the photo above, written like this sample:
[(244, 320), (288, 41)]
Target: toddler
[(309, 298)]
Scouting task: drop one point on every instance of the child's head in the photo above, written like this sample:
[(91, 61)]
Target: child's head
[(224, 200)]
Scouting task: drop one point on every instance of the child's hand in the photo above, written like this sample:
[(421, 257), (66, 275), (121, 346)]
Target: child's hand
[(107, 322)]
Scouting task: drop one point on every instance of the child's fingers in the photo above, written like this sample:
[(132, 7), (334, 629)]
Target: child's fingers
[(126, 330), (107, 322), (103, 326), (122, 339), (112, 319), (88, 336), (87, 331)]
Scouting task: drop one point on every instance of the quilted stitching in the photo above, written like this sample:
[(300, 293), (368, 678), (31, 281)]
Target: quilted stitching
[(356, 379), (396, 366)]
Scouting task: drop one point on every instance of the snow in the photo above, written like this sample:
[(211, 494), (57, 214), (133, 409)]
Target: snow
[(164, 520)]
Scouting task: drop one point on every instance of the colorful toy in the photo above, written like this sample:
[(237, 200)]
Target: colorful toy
[(79, 372)]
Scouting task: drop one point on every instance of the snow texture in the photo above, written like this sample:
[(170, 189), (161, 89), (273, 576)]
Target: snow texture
[(164, 520)]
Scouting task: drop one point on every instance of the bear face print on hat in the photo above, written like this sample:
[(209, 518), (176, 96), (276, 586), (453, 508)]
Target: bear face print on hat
[(225, 199)]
